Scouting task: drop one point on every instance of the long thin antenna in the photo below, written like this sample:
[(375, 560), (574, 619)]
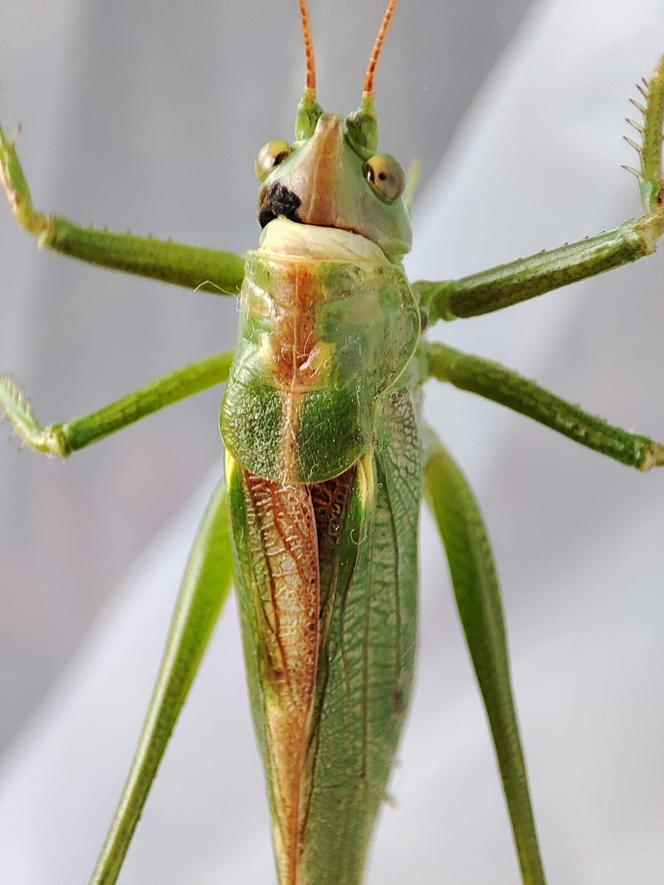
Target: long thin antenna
[(370, 75), (308, 46)]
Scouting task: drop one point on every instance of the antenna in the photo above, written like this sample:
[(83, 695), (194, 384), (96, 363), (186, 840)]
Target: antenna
[(308, 47), (370, 75)]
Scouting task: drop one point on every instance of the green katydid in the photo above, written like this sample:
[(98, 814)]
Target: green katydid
[(332, 455)]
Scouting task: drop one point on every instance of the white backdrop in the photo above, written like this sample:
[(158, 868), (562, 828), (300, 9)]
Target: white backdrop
[(578, 541)]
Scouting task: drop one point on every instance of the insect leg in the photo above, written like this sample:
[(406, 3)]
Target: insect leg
[(204, 589), (477, 592), (526, 278), (63, 439), (510, 389), (190, 266)]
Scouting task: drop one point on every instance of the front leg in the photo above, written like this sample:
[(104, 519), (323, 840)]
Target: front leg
[(526, 278), (190, 266), (60, 440)]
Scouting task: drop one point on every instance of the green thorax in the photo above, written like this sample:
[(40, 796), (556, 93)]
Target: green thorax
[(327, 323)]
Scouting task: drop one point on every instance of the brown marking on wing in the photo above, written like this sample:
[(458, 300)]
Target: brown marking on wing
[(285, 518), (300, 531)]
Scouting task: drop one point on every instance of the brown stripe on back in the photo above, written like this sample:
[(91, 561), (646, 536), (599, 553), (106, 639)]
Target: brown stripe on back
[(295, 354), (293, 335)]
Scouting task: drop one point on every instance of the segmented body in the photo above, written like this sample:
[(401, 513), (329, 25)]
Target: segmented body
[(326, 547)]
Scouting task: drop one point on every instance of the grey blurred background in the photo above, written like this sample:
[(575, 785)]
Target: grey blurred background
[(522, 108), (148, 116)]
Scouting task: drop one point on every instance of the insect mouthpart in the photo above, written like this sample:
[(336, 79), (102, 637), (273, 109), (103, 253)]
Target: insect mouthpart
[(278, 200)]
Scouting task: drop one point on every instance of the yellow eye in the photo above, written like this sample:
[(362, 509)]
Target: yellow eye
[(385, 176), (269, 156)]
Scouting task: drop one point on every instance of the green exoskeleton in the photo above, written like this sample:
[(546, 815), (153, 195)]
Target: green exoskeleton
[(327, 461)]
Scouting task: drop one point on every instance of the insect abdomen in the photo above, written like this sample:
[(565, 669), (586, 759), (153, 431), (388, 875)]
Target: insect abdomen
[(328, 754)]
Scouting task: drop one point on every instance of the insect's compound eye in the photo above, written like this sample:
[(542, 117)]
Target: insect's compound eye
[(386, 177), (269, 156)]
